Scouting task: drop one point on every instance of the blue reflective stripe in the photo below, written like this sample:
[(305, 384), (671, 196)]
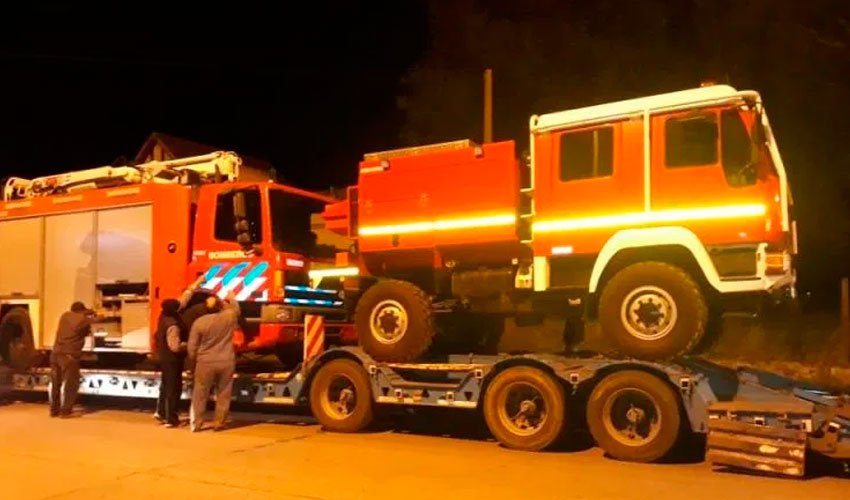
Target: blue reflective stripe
[(211, 272), (234, 271), (300, 288), (255, 273), (313, 302)]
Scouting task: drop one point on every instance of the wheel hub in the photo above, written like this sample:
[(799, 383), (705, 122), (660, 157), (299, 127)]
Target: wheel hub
[(388, 322), (346, 397), (340, 398), (632, 417), (523, 409), (649, 313)]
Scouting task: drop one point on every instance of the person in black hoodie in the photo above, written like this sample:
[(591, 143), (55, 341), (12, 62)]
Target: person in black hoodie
[(172, 354)]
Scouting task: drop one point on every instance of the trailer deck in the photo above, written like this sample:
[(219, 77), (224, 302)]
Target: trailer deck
[(754, 420)]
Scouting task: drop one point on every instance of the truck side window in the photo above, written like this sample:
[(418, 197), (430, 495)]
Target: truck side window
[(225, 229), (739, 165), (587, 154), (691, 140)]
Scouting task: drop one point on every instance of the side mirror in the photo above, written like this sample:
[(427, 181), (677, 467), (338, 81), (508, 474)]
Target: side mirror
[(240, 211), (242, 226), (758, 130)]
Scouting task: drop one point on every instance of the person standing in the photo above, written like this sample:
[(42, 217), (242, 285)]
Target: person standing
[(74, 327), (185, 320), (211, 352), (172, 354)]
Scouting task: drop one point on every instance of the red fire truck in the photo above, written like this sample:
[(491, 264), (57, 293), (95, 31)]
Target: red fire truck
[(645, 212), (122, 239)]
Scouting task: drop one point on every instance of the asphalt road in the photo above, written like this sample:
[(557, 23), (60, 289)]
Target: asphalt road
[(118, 452)]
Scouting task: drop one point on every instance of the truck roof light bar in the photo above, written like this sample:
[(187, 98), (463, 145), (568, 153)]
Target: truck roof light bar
[(419, 150)]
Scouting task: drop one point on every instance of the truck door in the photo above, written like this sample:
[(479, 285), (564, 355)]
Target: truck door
[(583, 174), (703, 173), (218, 255)]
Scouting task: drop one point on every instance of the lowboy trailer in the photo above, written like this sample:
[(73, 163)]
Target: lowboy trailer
[(635, 410)]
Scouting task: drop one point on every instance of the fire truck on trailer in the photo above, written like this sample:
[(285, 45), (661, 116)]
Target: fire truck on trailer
[(648, 212), (125, 238)]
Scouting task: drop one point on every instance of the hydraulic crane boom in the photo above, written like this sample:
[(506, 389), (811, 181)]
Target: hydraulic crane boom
[(213, 167)]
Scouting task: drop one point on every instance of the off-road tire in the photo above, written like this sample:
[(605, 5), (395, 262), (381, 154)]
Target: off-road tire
[(691, 310), (17, 347), (321, 396), (498, 410), (416, 338), (666, 404)]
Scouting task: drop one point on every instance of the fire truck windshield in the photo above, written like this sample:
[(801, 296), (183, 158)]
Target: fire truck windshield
[(291, 231)]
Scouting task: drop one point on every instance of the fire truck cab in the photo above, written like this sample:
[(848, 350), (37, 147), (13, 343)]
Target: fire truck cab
[(122, 239), (642, 211)]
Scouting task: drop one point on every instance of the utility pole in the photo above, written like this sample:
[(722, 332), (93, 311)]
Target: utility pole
[(844, 328), (488, 105)]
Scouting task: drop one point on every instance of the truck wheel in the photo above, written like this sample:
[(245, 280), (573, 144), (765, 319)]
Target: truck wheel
[(653, 310), (634, 416), (524, 408), (16, 341), (341, 396), (394, 322)]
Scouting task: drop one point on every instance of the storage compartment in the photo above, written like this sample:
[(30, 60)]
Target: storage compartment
[(124, 245), (124, 312), (20, 267), (70, 248)]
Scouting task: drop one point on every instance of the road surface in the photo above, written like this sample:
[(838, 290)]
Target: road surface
[(120, 453)]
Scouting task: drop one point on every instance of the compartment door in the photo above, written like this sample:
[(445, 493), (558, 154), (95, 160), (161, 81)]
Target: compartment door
[(124, 245), (20, 267), (70, 248)]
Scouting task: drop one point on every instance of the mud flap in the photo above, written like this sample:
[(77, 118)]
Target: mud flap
[(763, 436)]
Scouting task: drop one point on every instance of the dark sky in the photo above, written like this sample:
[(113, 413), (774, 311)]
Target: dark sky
[(306, 89), (311, 86)]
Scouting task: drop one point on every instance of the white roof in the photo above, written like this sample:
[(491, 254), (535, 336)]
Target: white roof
[(634, 106)]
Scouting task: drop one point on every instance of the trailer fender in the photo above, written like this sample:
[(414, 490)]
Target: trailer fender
[(654, 237), (550, 364)]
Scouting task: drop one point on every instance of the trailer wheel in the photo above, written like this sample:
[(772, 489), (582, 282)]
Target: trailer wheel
[(634, 416), (524, 408), (341, 396), (16, 341), (653, 310), (394, 321)]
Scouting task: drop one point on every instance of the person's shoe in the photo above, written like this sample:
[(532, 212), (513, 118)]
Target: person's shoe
[(170, 425), (219, 427), (158, 417), (54, 414)]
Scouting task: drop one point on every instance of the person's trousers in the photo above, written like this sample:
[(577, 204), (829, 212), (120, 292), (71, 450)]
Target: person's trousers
[(170, 388), (207, 375), (64, 383)]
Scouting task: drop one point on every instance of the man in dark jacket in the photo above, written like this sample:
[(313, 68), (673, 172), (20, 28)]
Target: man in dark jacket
[(211, 351), (172, 353), (74, 327), (184, 321)]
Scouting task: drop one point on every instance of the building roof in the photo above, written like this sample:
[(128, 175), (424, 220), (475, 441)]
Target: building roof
[(613, 110), (181, 148)]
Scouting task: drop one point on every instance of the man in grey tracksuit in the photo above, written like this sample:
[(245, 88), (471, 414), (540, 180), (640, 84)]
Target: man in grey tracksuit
[(211, 351)]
